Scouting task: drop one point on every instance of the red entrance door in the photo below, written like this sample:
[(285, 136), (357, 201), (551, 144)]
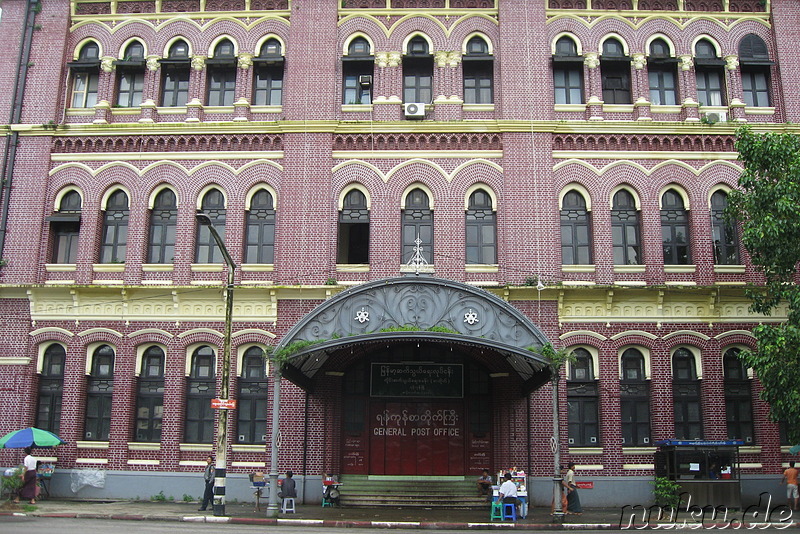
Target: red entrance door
[(416, 438)]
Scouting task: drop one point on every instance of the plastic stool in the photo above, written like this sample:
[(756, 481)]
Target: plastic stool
[(512, 515), (287, 505), (497, 511), (326, 502)]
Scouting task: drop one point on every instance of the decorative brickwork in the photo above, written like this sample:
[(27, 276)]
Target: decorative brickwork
[(418, 142), (195, 143)]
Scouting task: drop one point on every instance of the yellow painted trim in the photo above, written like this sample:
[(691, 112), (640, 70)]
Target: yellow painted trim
[(253, 465), (91, 444), (196, 447), (591, 18), (352, 267), (480, 268), (730, 269), (199, 331), (15, 360), (635, 451), (630, 268), (207, 268), (723, 335), (357, 108), (84, 461), (158, 267), (254, 331), (100, 331), (431, 14), (589, 333), (156, 331), (49, 329), (578, 268), (478, 107), (686, 333), (627, 333), (60, 267), (118, 160), (586, 450), (257, 267), (638, 467), (144, 462), (680, 269), (750, 449), (108, 267), (419, 154)]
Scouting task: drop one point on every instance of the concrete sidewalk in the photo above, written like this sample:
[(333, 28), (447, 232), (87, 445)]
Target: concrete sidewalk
[(315, 515)]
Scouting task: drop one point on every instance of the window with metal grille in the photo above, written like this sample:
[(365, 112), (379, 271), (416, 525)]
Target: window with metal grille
[(417, 224), (150, 396), (686, 396), (253, 398), (582, 402), (634, 400), (99, 395), (201, 388), (51, 389), (738, 398)]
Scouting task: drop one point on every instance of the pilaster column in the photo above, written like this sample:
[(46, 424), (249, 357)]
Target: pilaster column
[(197, 89), (594, 86), (244, 88), (447, 108), (688, 88), (105, 91), (388, 86), (733, 82), (641, 88), (150, 96)]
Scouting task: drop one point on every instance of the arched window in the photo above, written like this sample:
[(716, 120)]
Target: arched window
[(260, 235), (201, 388), (481, 230), (357, 71), (222, 75), (85, 76), (418, 72), (253, 398), (726, 239), (662, 74), (625, 229), (567, 72), (615, 72), (175, 72), (206, 249), (582, 401), (755, 66), (417, 224), (150, 396), (115, 229), (99, 395), (686, 396), (478, 72), (634, 400), (738, 398), (51, 389), (130, 76), (674, 229), (353, 243), (65, 226), (163, 224), (268, 74), (576, 230), (710, 74)]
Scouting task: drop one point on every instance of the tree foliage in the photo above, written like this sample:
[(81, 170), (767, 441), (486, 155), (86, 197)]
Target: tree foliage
[(767, 207)]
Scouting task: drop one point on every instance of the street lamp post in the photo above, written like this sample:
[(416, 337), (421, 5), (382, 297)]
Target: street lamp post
[(272, 506), (558, 512), (221, 443)]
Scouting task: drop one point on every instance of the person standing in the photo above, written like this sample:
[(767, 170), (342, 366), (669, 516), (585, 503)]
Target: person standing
[(29, 483), (573, 501), (790, 479), (208, 478), (507, 494)]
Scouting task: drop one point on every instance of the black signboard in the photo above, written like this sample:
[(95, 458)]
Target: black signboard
[(443, 380)]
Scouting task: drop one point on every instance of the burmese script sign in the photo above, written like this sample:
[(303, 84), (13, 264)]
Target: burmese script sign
[(443, 380)]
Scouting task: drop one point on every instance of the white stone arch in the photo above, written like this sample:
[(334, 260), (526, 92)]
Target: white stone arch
[(411, 187), (127, 43), (91, 348), (417, 34), (612, 35), (575, 186), (240, 351), (110, 191), (175, 39), (664, 38), (644, 351), (213, 44), (352, 37), (484, 187), (83, 42), (42, 348), (255, 189), (157, 190), (570, 35), (486, 39), (678, 189), (266, 38), (350, 187), (141, 349), (63, 191), (637, 201), (706, 37), (203, 192), (725, 188), (698, 361), (187, 364), (594, 353)]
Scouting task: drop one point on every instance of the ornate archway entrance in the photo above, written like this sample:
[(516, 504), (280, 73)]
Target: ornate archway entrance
[(416, 355)]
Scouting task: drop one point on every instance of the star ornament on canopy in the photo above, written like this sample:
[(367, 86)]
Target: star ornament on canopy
[(29, 437)]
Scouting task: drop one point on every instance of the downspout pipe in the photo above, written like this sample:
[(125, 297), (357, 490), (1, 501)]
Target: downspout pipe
[(12, 141)]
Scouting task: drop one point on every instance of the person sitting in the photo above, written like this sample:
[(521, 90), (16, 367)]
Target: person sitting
[(288, 488), (485, 483), (508, 492)]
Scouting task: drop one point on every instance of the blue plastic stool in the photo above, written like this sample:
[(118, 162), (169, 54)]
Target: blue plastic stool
[(497, 511), (512, 515)]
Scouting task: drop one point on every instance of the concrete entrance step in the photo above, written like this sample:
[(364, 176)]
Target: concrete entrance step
[(410, 492)]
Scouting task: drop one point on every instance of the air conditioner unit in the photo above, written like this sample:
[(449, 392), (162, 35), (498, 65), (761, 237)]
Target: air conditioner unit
[(716, 116), (365, 80), (415, 110)]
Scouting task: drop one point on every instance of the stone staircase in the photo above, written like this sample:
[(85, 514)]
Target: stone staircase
[(376, 491)]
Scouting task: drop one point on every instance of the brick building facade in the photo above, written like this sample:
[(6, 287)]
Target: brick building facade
[(563, 164)]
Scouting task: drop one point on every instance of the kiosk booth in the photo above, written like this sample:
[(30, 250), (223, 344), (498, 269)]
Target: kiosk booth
[(707, 470)]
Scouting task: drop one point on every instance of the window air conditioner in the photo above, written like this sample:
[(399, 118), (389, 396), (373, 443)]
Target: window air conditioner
[(716, 116), (414, 110), (365, 80)]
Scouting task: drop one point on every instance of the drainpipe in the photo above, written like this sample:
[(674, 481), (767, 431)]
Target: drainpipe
[(10, 152)]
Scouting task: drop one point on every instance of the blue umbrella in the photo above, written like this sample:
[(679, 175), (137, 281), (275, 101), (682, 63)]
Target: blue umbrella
[(794, 449), (29, 437)]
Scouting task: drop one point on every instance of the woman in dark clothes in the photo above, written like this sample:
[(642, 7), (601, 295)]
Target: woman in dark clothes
[(28, 489)]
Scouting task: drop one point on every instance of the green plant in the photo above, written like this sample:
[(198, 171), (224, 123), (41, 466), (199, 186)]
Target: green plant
[(666, 492), (13, 483), (160, 497), (3, 262), (29, 507), (531, 281), (331, 282), (187, 498)]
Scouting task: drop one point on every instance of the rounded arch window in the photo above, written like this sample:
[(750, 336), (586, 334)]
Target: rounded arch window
[(613, 48), (134, 51), (417, 46), (705, 49), (89, 52), (566, 46), (358, 47), (224, 49), (659, 49), (179, 50), (477, 46)]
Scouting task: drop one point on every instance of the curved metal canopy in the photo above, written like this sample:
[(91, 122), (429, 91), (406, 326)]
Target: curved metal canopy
[(420, 309)]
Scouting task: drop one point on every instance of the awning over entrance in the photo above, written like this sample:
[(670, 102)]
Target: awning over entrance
[(405, 309)]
